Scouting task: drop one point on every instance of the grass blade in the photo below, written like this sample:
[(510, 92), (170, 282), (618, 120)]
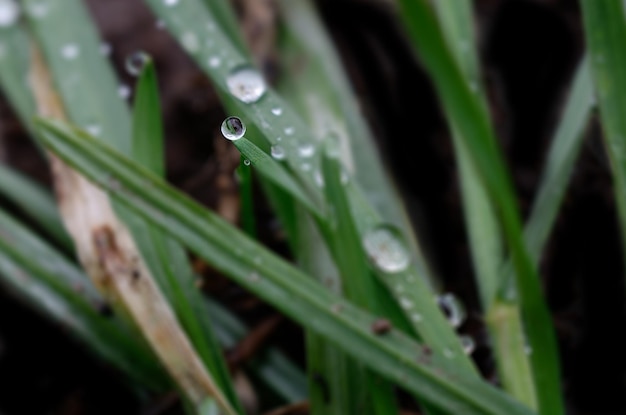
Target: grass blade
[(470, 117), (54, 286), (605, 33), (503, 320), (167, 258), (393, 355)]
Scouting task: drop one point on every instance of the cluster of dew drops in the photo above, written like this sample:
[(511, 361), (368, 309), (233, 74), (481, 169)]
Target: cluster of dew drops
[(383, 244)]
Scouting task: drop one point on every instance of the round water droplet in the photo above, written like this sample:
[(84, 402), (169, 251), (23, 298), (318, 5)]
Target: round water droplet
[(135, 62), (277, 111), (170, 2), (214, 61), (9, 12), (278, 152), (386, 249), (246, 84), (246, 162), (93, 129), (406, 303), (452, 308), (123, 91), (468, 344), (318, 178), (233, 128), (70, 51), (290, 130), (105, 49), (306, 150), (190, 42)]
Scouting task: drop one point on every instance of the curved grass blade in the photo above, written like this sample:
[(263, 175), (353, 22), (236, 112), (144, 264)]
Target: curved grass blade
[(34, 201), (470, 117), (167, 257), (503, 320), (54, 286), (393, 355), (605, 33), (276, 120)]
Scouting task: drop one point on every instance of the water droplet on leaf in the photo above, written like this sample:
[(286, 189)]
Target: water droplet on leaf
[(170, 2), (214, 61), (468, 344), (452, 308), (246, 84), (277, 111), (386, 249), (306, 150), (9, 12), (233, 128), (278, 152), (246, 162), (70, 51), (135, 62)]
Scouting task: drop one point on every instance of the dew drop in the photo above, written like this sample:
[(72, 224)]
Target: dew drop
[(70, 51), (9, 12), (93, 129), (190, 42), (233, 128), (254, 277), (448, 353), (246, 162), (246, 84), (386, 249), (277, 111), (105, 49), (170, 3), (452, 308), (135, 62), (468, 344), (318, 178), (123, 91), (306, 150), (416, 317), (290, 130), (214, 61), (278, 152), (406, 303)]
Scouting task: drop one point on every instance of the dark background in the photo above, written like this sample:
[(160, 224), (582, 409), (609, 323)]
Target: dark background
[(529, 50)]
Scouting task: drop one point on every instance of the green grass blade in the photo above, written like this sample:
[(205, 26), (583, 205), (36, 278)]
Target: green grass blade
[(356, 279), (276, 120), (605, 32), (147, 142), (469, 116), (393, 355), (34, 201), (484, 232), (271, 170), (167, 258), (58, 289), (244, 173)]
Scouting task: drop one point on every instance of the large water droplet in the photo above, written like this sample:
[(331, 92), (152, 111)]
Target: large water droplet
[(9, 12), (386, 249), (214, 61), (123, 91), (135, 62), (70, 51), (190, 42), (306, 150), (278, 152), (468, 344), (246, 84), (452, 308), (233, 128)]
